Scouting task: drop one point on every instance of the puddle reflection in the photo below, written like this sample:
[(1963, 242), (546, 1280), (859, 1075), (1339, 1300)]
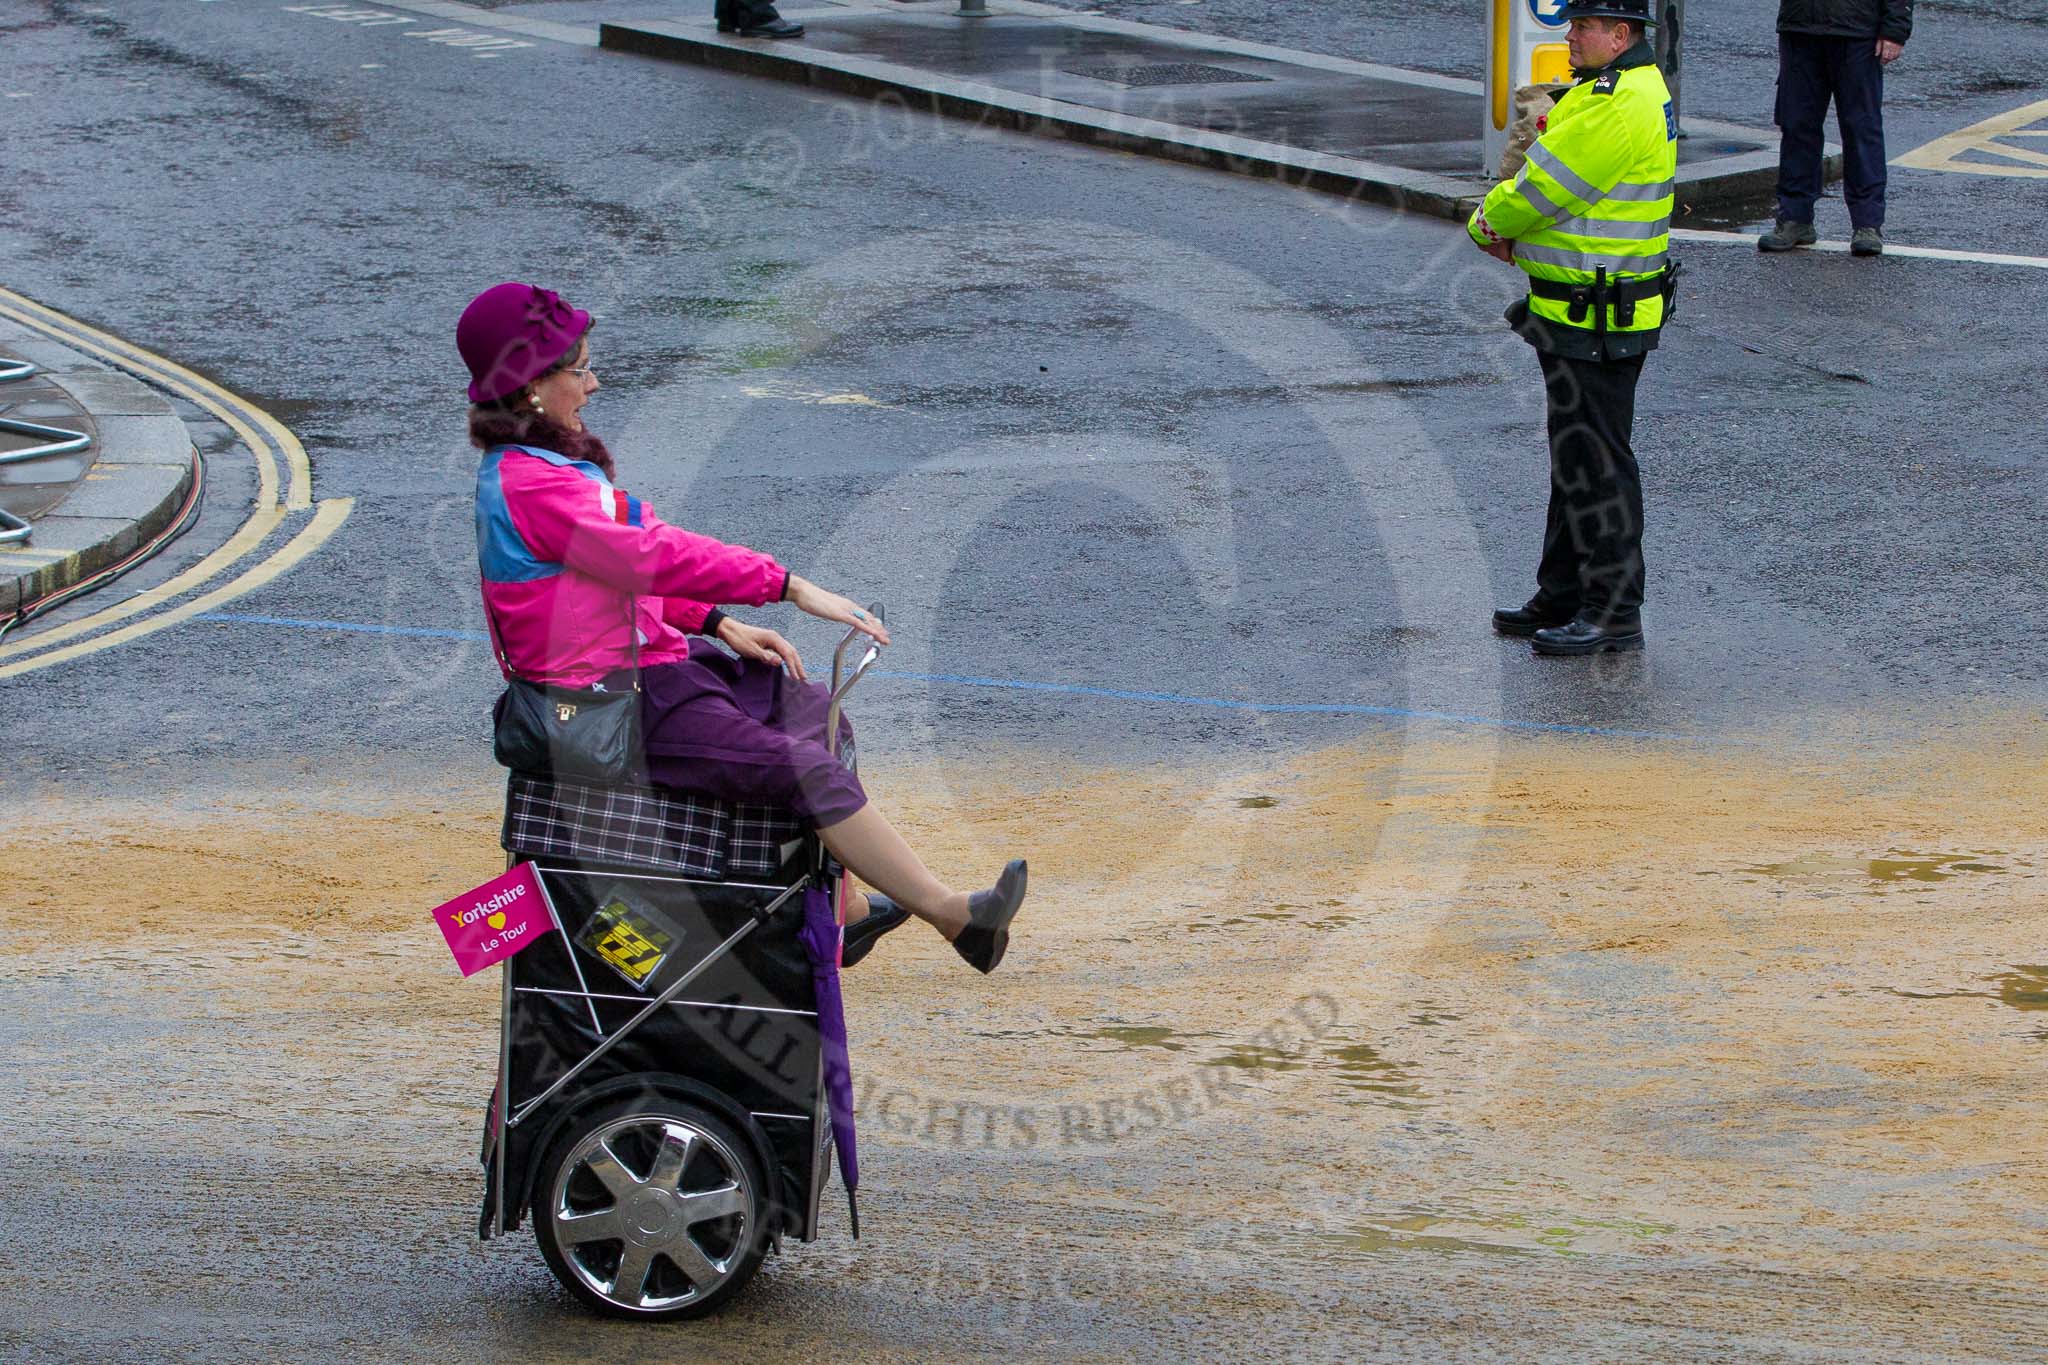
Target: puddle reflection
[(1899, 865)]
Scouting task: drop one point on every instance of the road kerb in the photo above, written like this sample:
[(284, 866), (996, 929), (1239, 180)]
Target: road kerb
[(1738, 164)]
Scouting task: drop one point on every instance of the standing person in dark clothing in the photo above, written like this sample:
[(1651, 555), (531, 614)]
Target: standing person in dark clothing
[(754, 19), (1834, 49)]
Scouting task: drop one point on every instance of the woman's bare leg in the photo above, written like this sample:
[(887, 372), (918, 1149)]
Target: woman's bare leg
[(869, 845)]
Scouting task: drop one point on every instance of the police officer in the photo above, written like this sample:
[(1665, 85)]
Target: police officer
[(1588, 218)]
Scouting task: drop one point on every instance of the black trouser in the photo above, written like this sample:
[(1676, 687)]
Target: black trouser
[(1593, 537), (744, 11), (1811, 71)]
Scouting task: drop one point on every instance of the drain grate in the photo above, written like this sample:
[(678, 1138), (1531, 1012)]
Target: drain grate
[(1167, 73)]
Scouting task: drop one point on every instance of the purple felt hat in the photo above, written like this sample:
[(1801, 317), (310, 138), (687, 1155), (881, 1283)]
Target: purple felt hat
[(512, 334)]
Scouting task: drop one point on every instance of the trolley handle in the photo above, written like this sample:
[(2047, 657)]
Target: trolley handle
[(860, 670)]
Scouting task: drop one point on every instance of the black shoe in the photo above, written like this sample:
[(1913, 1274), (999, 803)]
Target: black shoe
[(1866, 242), (1583, 635), (863, 934), (987, 935), (778, 27), (1786, 235), (1531, 617)]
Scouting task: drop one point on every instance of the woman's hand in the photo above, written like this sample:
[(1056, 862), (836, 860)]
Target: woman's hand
[(807, 596), (760, 643)]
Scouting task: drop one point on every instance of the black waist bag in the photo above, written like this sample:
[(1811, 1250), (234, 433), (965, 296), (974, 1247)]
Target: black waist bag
[(574, 732)]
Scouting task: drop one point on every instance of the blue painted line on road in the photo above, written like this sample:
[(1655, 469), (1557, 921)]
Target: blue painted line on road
[(1285, 708), (1270, 708)]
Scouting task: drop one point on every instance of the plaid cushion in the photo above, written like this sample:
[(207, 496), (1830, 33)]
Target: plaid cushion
[(654, 828)]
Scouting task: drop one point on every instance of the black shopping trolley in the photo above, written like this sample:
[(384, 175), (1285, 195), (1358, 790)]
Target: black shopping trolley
[(661, 1108)]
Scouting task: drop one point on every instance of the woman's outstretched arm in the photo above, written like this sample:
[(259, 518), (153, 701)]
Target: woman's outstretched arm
[(569, 517)]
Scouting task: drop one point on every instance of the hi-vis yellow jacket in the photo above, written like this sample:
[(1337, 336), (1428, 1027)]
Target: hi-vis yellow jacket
[(1595, 192)]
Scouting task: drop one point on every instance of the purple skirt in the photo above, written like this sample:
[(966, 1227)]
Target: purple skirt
[(738, 730)]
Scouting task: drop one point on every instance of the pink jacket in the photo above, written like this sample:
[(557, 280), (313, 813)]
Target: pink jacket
[(564, 554)]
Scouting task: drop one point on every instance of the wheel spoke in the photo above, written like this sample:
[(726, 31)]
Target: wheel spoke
[(703, 1272), (674, 1154), (574, 1229), (630, 1284), (710, 1204), (604, 1163)]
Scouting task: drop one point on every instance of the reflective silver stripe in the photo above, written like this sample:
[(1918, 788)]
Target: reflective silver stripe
[(1640, 194), (1540, 201), (1614, 229), (1589, 261), (1540, 155)]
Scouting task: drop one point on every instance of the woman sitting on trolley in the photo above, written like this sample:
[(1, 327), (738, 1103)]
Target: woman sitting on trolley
[(572, 565)]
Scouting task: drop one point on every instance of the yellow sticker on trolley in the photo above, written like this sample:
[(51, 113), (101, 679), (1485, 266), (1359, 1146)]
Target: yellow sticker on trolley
[(627, 941)]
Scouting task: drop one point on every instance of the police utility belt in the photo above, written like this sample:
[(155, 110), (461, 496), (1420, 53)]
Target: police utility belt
[(1620, 295)]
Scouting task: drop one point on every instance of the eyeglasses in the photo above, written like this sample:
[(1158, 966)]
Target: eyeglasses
[(580, 371)]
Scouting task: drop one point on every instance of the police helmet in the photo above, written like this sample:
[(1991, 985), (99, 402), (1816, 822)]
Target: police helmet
[(1641, 11)]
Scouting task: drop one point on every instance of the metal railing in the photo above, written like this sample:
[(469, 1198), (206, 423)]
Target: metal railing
[(55, 441)]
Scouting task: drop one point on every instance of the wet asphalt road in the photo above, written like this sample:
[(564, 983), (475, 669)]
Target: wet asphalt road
[(1130, 426), (1078, 419)]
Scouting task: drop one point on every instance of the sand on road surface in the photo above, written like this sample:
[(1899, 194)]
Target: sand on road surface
[(1496, 1045)]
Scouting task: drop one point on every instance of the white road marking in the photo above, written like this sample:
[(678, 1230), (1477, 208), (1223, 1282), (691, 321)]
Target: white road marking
[(1926, 253), (814, 397), (549, 30), (477, 44), (1986, 139)]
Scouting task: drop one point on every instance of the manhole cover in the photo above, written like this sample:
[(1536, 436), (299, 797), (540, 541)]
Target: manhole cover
[(1168, 73)]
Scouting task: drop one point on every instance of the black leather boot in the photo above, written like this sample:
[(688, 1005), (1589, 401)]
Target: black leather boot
[(756, 22), (1588, 635), (1532, 616)]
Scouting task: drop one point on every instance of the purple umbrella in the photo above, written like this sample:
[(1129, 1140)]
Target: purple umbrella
[(821, 938)]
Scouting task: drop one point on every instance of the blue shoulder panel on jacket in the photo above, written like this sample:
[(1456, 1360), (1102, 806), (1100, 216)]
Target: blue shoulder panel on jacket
[(583, 467), (501, 552)]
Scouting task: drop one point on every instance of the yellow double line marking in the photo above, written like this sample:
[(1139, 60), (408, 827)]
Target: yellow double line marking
[(266, 439)]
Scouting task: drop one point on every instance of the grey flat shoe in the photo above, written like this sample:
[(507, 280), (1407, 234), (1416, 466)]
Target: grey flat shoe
[(1866, 242), (987, 935)]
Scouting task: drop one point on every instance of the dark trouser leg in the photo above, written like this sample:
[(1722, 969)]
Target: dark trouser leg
[(1859, 107), (1803, 92), (1596, 488), (1557, 573)]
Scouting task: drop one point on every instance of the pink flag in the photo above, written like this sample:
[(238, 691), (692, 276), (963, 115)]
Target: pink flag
[(496, 920)]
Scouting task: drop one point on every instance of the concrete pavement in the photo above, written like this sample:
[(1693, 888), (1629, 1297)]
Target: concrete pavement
[(1380, 134)]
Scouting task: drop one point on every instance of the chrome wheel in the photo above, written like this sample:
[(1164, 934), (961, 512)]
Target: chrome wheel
[(653, 1213)]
